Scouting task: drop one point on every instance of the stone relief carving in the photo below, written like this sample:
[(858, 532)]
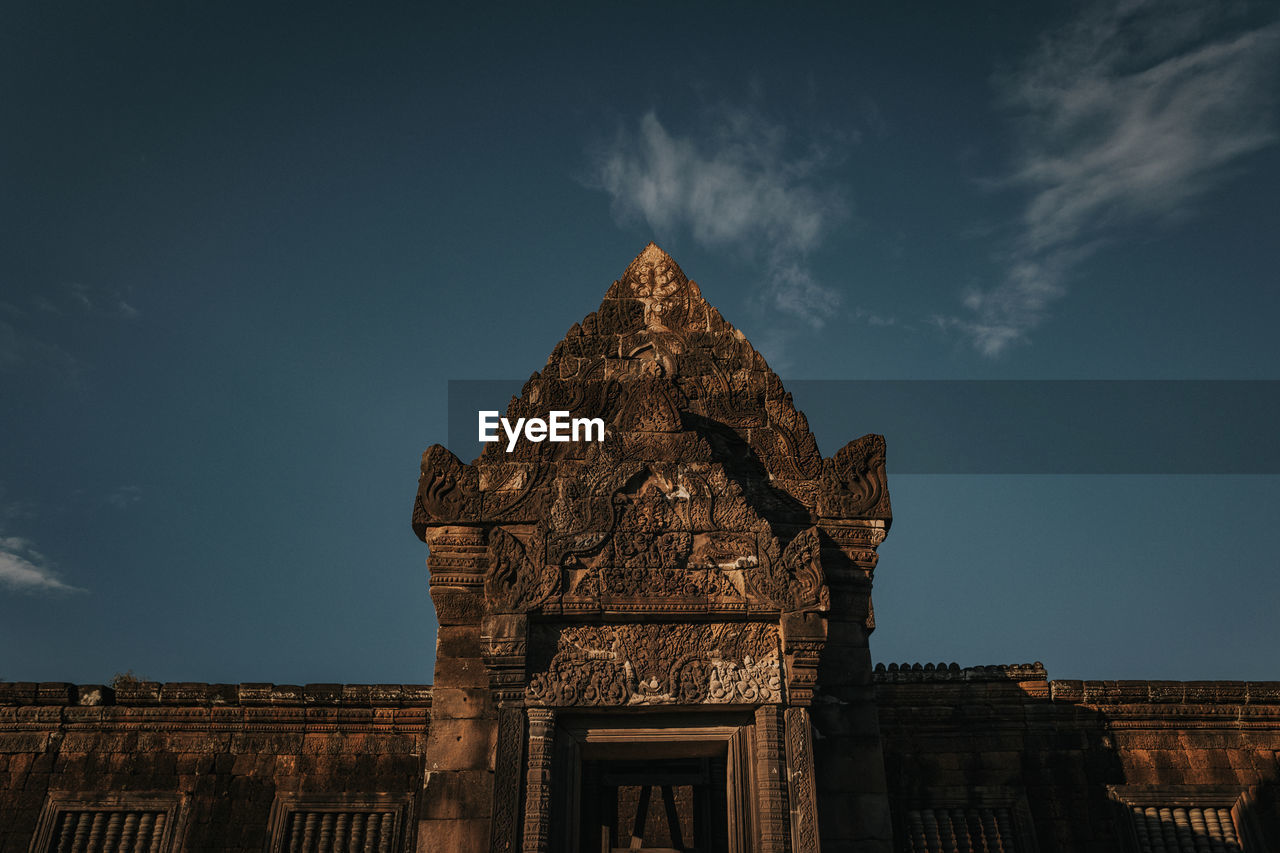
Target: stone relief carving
[(708, 498), (650, 404), (660, 366), (649, 540), (802, 790), (854, 483), (644, 542), (447, 490), (796, 582), (660, 287), (631, 664), (508, 764), (772, 807), (537, 814), (515, 583)]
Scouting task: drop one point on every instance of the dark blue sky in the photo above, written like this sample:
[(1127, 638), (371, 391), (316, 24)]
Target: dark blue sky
[(245, 249)]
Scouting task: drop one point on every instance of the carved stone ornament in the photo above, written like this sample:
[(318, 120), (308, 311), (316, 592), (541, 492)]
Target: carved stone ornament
[(802, 791), (515, 583), (707, 495), (447, 490), (795, 582), (854, 481), (678, 664), (504, 836)]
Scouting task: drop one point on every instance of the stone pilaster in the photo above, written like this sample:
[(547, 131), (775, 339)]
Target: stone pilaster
[(801, 789), (537, 807), (457, 798), (853, 802), (504, 837), (772, 812)]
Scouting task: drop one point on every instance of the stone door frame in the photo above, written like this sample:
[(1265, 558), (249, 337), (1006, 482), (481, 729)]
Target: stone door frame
[(584, 736)]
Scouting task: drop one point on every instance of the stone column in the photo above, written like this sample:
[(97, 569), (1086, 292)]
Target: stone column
[(504, 644), (771, 781), (504, 836), (458, 793), (800, 783), (537, 804), (853, 800)]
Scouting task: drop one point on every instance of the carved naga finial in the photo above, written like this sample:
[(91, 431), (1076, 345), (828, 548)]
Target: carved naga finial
[(448, 491), (854, 483)]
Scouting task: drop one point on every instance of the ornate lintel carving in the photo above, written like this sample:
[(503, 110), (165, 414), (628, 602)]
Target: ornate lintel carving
[(656, 664)]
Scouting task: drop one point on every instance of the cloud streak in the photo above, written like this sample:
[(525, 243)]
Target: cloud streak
[(23, 569), (31, 330), (736, 186), (1128, 116), (124, 497)]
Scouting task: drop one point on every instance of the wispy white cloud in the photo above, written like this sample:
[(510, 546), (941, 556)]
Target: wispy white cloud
[(21, 348), (24, 569), (99, 300), (1128, 115), (123, 497), (739, 183), (32, 329), (874, 318)]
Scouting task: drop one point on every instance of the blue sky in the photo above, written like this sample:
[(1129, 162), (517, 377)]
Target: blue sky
[(245, 250)]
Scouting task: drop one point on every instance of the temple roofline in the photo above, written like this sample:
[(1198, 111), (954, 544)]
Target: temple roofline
[(200, 694)]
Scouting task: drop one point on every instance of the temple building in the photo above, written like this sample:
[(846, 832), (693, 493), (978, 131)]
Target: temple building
[(657, 642)]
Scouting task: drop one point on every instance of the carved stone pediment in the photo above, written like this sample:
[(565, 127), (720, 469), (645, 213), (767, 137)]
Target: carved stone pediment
[(675, 384), (706, 506)]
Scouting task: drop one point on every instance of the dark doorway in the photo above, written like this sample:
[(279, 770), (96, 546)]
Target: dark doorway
[(655, 805)]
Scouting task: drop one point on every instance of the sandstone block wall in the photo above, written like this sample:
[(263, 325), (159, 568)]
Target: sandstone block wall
[(229, 751), (457, 801), (992, 751), (1064, 760)]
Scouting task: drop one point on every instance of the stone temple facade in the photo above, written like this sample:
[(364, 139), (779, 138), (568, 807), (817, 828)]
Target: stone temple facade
[(659, 641)]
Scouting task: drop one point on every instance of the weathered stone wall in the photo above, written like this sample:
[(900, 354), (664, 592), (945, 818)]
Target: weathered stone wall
[(1067, 755), (853, 809), (457, 800), (229, 749)]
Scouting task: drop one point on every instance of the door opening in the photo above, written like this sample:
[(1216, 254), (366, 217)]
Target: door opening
[(673, 805)]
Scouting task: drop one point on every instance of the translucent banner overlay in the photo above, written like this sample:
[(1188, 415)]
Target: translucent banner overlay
[(1009, 427)]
